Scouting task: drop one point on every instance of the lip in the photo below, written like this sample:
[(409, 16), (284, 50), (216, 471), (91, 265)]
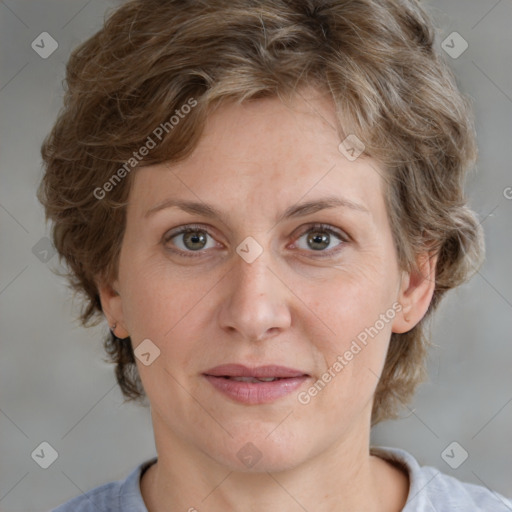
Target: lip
[(252, 393), (239, 370)]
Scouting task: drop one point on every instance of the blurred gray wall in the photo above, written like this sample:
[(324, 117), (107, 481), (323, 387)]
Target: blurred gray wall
[(55, 387)]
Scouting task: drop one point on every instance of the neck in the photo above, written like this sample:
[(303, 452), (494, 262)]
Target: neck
[(344, 478)]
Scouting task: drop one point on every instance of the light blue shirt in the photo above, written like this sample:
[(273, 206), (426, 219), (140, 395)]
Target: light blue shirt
[(429, 491)]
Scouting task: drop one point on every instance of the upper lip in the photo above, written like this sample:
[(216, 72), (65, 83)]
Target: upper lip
[(239, 370)]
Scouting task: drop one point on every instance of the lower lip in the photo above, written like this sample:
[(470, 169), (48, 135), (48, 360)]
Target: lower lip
[(256, 392)]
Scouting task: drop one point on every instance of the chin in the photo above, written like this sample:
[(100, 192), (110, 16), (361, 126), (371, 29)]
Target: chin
[(259, 453)]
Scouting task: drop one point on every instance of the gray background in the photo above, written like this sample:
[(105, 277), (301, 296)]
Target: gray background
[(55, 386)]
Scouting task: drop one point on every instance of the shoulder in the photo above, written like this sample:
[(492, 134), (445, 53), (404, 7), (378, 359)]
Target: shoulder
[(104, 497), (433, 491), (452, 494), (113, 496)]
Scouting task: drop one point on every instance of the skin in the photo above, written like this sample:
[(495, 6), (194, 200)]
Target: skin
[(289, 307)]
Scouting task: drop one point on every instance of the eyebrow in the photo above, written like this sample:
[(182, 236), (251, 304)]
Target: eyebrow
[(298, 210)]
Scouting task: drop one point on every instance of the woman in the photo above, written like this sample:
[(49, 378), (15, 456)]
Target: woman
[(265, 201)]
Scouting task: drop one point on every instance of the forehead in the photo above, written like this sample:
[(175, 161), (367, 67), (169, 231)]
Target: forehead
[(268, 130), (277, 152)]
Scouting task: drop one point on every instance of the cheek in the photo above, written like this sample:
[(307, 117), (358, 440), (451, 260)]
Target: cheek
[(352, 357), (162, 301), (351, 298), (146, 300), (356, 313)]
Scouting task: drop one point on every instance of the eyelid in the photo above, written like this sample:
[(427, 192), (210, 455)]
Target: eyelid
[(343, 235), (183, 229)]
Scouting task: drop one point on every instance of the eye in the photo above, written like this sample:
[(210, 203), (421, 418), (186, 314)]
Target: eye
[(192, 239), (319, 237), (189, 239)]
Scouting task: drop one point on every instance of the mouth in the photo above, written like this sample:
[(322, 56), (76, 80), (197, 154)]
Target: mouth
[(251, 386), (250, 379), (260, 374)]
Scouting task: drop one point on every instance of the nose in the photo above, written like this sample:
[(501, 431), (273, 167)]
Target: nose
[(256, 300)]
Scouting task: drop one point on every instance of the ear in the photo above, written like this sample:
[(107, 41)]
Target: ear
[(112, 306), (416, 292)]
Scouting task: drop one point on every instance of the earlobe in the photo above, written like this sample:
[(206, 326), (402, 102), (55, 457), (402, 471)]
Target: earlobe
[(111, 303), (416, 291)]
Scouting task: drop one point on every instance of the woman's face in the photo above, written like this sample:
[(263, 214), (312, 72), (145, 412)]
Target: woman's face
[(260, 284)]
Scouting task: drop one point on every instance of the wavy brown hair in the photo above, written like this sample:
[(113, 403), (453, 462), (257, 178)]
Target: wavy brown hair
[(375, 58)]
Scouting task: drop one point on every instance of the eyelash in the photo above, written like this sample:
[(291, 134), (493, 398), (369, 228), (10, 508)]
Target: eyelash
[(316, 226)]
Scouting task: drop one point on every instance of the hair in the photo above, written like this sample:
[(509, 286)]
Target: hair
[(375, 58)]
